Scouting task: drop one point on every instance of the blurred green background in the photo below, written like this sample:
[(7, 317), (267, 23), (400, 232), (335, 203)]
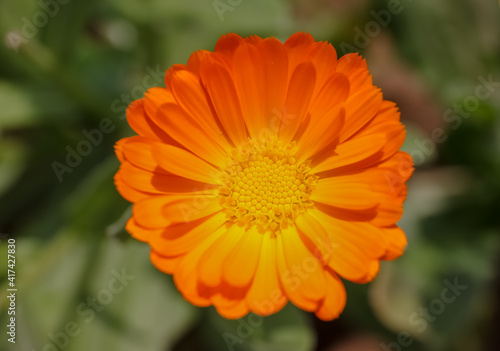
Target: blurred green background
[(69, 68)]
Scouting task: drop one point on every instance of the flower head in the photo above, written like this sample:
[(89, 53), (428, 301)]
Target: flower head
[(263, 172)]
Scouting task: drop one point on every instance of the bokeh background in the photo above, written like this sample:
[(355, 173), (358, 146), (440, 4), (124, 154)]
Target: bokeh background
[(69, 68)]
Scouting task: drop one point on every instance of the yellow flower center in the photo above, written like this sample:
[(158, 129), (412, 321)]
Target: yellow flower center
[(264, 185)]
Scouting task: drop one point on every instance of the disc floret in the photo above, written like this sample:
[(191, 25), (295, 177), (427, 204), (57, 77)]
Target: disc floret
[(264, 185)]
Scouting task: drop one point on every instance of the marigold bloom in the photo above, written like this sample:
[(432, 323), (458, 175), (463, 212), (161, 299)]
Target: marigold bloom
[(262, 172)]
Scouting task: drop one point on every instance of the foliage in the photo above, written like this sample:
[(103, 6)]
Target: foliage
[(64, 86)]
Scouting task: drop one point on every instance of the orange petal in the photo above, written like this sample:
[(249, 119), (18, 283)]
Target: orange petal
[(304, 266), (160, 211), (187, 132), (374, 177), (191, 208), (387, 123), (189, 94), (373, 269), (141, 233), (119, 149), (253, 39), (239, 267), (369, 238), (353, 151), (354, 67), (148, 212), (361, 107), (161, 183), (322, 133), (290, 281), (164, 264), (396, 243), (142, 124), (228, 43), (387, 115), (334, 91), (129, 193), (265, 296), (275, 61), (335, 299), (350, 263), (378, 185), (196, 59), (230, 301), (210, 264), (155, 98), (186, 273), (311, 230), (220, 87), (324, 58), (169, 75), (357, 245), (296, 45), (249, 80), (342, 193), (180, 238), (235, 311), (183, 163), (137, 150), (402, 164), (389, 211), (298, 96)]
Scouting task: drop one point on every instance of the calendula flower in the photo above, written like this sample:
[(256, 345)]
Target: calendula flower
[(263, 172)]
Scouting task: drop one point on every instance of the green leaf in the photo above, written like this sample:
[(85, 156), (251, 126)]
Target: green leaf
[(109, 294), (24, 105), (146, 314), (13, 159)]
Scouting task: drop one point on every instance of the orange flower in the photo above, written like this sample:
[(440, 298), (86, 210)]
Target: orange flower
[(263, 172)]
